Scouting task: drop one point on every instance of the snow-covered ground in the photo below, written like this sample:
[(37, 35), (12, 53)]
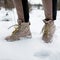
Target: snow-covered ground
[(28, 49)]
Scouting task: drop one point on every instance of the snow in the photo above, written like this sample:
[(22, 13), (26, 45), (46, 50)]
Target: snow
[(35, 1), (28, 49)]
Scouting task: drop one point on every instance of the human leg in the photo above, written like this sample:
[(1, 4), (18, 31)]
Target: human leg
[(23, 29), (50, 9)]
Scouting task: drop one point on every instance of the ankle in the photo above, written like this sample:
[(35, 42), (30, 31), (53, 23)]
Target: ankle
[(46, 21)]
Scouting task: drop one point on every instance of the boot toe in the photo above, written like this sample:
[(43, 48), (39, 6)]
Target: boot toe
[(10, 38)]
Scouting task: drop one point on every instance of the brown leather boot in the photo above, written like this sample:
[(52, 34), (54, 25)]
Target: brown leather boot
[(22, 30), (48, 30)]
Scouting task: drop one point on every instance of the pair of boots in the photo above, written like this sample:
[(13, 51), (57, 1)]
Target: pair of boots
[(23, 30)]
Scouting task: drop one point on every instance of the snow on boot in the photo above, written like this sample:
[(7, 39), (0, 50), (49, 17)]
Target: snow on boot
[(22, 30), (48, 30)]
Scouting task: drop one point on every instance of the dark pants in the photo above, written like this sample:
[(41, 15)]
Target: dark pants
[(25, 10), (22, 10), (50, 9), (54, 9)]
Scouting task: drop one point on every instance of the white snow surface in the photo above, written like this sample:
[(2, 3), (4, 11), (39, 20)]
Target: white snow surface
[(35, 1), (28, 49)]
